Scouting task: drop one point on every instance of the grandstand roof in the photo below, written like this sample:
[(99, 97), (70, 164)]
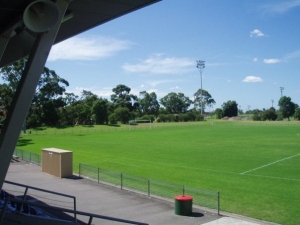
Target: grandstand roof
[(30, 27), (83, 14)]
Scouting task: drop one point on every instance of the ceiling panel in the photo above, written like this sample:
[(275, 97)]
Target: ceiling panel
[(87, 14)]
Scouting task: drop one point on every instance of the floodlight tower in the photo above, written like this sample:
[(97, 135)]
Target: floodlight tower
[(201, 66), (281, 89)]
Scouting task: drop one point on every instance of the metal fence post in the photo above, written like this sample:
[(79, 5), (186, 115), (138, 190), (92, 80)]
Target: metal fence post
[(218, 203), (75, 215), (25, 193), (4, 207), (79, 169), (121, 181), (210, 203)]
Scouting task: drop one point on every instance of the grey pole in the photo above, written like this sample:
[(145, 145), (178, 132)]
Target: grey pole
[(201, 66), (281, 89), (25, 92)]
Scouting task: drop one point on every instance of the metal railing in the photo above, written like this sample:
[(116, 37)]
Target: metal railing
[(91, 216), (149, 187), (55, 198), (28, 156)]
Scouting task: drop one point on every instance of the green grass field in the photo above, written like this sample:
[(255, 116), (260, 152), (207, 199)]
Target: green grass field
[(254, 165)]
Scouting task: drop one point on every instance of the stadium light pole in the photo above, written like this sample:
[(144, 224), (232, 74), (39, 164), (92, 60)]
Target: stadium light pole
[(201, 66), (281, 89)]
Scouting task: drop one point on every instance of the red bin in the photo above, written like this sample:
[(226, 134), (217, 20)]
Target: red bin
[(183, 205)]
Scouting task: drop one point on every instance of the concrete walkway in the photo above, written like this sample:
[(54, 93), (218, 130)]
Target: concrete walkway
[(109, 201)]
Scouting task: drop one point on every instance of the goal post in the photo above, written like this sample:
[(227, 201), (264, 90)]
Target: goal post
[(137, 122)]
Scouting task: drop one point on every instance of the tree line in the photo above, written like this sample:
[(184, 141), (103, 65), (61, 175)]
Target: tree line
[(53, 106), (287, 110)]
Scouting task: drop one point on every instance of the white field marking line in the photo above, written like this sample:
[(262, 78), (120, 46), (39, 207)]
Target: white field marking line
[(218, 171), (120, 163), (166, 164), (271, 177), (269, 164)]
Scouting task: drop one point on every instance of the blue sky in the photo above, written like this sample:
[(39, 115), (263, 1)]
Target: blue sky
[(250, 48)]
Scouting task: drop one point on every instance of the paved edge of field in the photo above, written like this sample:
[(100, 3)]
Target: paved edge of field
[(109, 201)]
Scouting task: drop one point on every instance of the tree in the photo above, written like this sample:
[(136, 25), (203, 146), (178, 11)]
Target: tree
[(87, 97), (48, 96), (230, 108), (269, 114), (286, 107), (122, 98), (219, 113), (50, 114), (11, 75), (297, 114), (50, 86), (100, 111), (176, 103), (6, 95), (123, 114), (83, 114), (148, 103), (207, 100)]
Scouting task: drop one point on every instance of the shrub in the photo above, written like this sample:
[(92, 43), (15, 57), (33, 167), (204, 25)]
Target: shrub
[(113, 118), (257, 117)]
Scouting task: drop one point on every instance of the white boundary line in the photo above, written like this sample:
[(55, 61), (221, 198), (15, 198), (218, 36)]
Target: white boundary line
[(271, 177), (120, 163), (269, 164), (212, 170)]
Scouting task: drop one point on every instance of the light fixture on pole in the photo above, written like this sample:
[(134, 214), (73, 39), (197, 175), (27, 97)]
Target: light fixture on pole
[(201, 66), (281, 89)]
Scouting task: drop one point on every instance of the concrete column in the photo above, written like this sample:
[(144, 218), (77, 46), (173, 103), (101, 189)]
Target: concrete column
[(25, 92)]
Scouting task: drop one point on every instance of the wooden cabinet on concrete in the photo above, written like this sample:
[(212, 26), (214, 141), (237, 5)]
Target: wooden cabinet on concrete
[(57, 162)]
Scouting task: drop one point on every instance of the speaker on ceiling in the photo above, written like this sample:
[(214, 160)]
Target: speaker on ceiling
[(41, 15)]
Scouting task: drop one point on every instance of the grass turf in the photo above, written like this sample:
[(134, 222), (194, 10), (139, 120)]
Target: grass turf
[(254, 165)]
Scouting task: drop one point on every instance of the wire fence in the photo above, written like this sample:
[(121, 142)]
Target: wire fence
[(149, 187), (37, 195), (28, 156), (99, 129), (45, 204)]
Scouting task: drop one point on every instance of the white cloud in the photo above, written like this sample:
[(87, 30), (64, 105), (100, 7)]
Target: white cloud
[(175, 88), (158, 82), (252, 79), (105, 92), (256, 33), (293, 55), (281, 7), (216, 64), (88, 48), (271, 61), (159, 65), (255, 59)]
